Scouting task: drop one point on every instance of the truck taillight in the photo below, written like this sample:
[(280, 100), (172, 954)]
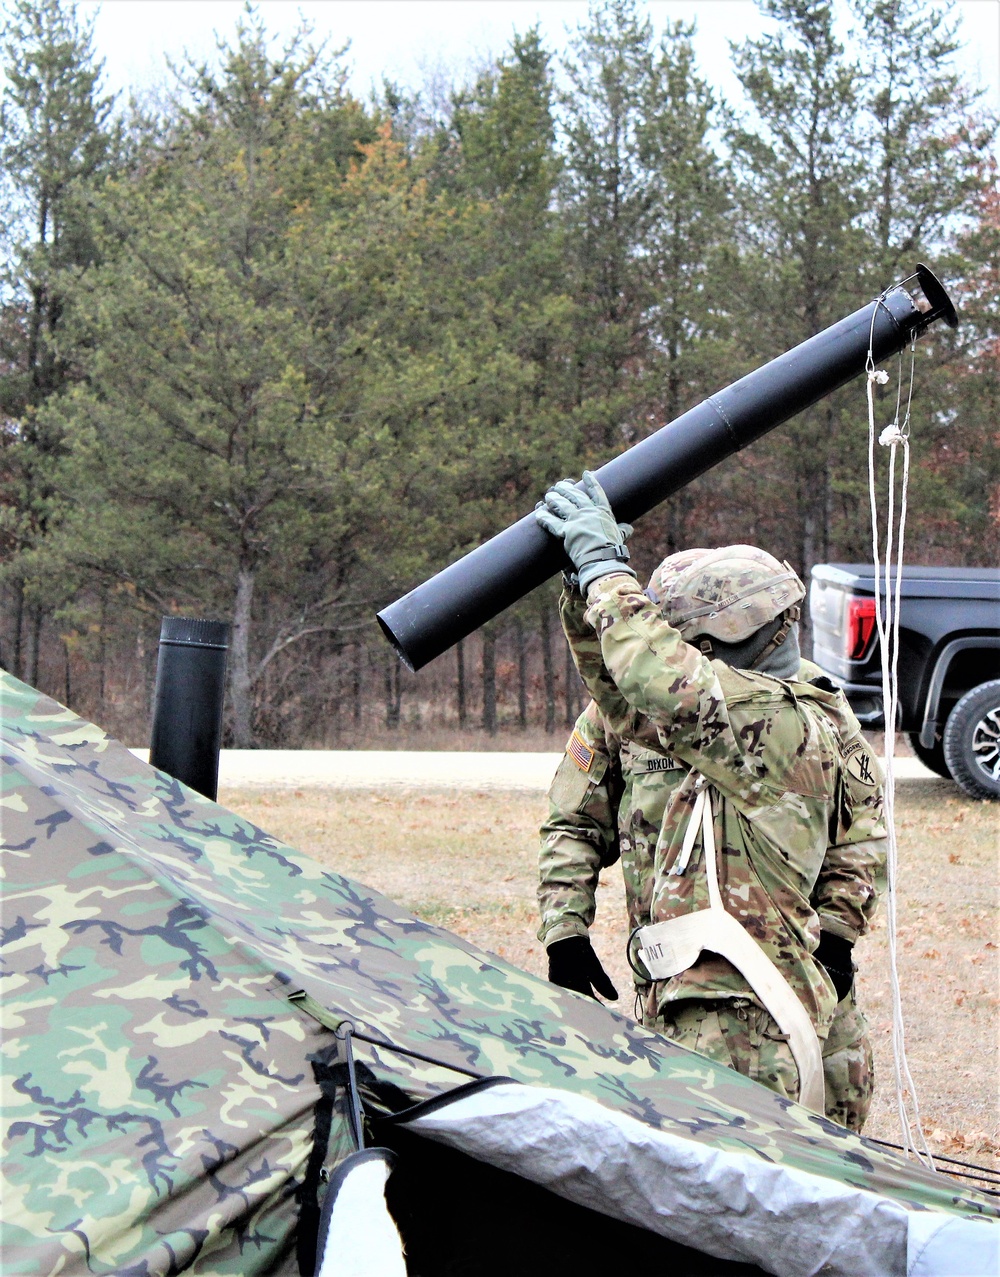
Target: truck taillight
[(860, 623)]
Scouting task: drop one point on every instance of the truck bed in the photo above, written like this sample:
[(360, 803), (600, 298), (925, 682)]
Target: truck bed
[(979, 584), (949, 625)]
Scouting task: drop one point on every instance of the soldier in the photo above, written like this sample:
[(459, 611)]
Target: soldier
[(732, 780)]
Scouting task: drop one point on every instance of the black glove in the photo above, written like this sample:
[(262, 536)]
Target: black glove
[(573, 964), (834, 954)]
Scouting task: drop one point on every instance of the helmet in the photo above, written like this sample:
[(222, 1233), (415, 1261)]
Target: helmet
[(727, 594)]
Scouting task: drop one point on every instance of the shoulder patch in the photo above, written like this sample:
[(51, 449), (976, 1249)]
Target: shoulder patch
[(580, 752), (859, 765)]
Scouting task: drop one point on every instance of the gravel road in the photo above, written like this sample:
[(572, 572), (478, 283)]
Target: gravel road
[(379, 769)]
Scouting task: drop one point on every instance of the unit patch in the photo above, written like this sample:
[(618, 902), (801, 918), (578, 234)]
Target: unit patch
[(580, 752), (859, 766)]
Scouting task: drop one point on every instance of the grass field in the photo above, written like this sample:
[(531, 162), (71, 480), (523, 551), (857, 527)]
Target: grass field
[(466, 861)]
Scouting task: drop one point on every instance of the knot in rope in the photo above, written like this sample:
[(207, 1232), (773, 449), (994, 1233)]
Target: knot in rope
[(878, 375), (892, 435)]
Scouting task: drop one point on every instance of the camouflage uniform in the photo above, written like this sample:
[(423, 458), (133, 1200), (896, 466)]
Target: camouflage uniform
[(798, 823)]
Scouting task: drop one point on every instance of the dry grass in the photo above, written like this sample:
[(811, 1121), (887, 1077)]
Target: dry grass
[(432, 736), (467, 862)]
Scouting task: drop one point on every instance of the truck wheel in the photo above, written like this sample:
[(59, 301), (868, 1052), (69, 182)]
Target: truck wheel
[(972, 741), (932, 758)]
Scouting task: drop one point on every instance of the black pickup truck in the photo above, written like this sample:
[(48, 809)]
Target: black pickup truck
[(949, 661)]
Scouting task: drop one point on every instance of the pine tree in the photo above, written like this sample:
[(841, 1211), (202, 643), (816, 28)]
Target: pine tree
[(210, 457), (644, 202), (505, 129), (974, 399), (799, 173), (610, 202), (645, 206), (927, 145), (58, 142), (504, 174), (923, 133), (849, 170)]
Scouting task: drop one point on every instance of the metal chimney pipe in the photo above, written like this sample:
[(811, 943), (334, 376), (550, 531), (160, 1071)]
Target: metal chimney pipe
[(187, 704), (433, 617)]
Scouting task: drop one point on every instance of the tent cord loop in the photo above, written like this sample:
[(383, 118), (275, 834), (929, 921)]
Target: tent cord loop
[(894, 437)]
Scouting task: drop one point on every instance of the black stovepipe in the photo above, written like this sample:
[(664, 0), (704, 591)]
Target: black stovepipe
[(186, 733), (468, 593)]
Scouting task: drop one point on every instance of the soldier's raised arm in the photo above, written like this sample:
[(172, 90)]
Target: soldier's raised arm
[(663, 678)]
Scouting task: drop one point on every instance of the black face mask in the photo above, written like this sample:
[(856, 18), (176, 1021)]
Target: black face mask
[(780, 662), (783, 661)]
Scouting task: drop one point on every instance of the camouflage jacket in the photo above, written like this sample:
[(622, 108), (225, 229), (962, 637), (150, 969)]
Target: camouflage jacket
[(797, 798)]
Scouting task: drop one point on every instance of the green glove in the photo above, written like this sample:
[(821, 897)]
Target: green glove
[(585, 523)]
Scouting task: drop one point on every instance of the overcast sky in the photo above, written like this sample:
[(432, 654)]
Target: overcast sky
[(406, 39)]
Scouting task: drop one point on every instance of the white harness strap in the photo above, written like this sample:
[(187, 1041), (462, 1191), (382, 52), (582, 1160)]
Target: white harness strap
[(667, 948)]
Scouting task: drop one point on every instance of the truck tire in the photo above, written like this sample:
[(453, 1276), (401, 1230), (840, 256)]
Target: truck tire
[(932, 758), (972, 741)]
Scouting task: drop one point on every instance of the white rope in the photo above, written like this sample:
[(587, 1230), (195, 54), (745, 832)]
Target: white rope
[(894, 436)]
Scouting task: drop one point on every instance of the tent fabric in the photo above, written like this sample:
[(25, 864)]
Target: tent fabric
[(162, 1091), (358, 1237), (731, 1205), (938, 1245)]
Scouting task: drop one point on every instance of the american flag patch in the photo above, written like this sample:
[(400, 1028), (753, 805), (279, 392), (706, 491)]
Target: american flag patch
[(580, 753)]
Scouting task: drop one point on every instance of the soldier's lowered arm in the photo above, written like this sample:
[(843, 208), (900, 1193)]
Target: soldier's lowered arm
[(458, 600)]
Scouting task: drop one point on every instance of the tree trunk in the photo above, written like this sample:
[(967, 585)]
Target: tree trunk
[(67, 685), (34, 645), (678, 507), (102, 649), (356, 686), (827, 528), (489, 681), (18, 665), (146, 659), (140, 660), (393, 692), (548, 671), (240, 685), (460, 680), (809, 532), (522, 674)]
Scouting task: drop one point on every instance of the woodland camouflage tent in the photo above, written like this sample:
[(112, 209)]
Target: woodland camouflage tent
[(176, 1098)]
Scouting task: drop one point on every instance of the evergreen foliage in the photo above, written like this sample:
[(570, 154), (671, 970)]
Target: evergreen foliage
[(274, 355), (57, 141)]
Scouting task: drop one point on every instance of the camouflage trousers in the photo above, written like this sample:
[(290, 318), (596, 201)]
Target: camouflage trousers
[(743, 1036), (848, 1067)]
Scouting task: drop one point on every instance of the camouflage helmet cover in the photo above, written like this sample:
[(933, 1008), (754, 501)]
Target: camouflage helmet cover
[(727, 593)]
